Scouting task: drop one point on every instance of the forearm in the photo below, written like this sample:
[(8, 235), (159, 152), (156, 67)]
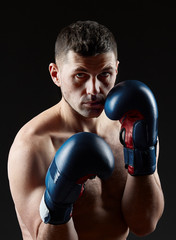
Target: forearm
[(142, 203), (57, 232)]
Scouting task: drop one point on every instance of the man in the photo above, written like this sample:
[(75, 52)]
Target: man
[(85, 69)]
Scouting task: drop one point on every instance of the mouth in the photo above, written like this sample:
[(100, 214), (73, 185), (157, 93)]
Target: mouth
[(94, 103)]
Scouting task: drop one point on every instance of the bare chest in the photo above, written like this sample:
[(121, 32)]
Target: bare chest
[(113, 187), (106, 194), (98, 212)]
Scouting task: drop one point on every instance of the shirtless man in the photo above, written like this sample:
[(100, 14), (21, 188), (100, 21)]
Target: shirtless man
[(85, 70)]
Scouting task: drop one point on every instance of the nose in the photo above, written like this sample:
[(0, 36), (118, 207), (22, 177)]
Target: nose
[(93, 86)]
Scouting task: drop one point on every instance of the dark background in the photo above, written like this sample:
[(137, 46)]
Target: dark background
[(145, 34)]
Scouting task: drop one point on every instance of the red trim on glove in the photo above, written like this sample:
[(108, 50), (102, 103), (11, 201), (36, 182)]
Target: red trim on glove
[(127, 121), (84, 179)]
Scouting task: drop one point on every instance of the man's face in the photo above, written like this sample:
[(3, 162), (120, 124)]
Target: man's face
[(86, 81)]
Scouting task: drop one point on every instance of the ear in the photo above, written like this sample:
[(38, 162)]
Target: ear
[(54, 72), (117, 66)]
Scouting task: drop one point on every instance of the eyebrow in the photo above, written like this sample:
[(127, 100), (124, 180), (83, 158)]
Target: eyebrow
[(82, 69), (108, 68)]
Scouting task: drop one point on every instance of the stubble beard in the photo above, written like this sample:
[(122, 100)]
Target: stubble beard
[(86, 113)]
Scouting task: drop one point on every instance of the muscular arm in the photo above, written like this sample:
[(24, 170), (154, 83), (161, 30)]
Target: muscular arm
[(64, 232), (142, 203), (27, 167), (134, 104)]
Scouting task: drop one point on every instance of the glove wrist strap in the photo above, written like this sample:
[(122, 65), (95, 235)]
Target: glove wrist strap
[(60, 215), (140, 162)]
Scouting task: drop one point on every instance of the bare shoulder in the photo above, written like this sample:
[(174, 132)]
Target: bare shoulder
[(27, 161), (33, 141), (29, 158), (27, 151)]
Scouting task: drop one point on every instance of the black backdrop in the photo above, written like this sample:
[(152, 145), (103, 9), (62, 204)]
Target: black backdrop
[(146, 43)]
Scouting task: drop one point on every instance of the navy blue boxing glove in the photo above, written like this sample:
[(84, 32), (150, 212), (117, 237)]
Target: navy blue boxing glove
[(134, 104), (83, 156)]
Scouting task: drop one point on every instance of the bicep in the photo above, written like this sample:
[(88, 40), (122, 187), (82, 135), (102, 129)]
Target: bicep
[(27, 186), (27, 173)]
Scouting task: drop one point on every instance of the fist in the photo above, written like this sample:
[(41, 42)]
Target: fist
[(134, 104)]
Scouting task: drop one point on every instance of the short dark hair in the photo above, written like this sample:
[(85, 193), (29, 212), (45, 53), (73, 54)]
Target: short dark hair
[(87, 38)]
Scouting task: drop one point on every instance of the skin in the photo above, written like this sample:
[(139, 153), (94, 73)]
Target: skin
[(107, 209)]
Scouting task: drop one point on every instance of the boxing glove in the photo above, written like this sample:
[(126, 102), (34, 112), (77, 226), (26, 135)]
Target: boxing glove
[(133, 103), (83, 156)]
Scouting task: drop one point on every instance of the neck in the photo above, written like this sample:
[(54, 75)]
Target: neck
[(77, 122)]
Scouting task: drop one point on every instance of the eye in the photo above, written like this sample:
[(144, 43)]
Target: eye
[(81, 75), (104, 76)]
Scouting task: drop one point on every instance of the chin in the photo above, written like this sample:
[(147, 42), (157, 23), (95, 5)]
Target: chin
[(93, 114)]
